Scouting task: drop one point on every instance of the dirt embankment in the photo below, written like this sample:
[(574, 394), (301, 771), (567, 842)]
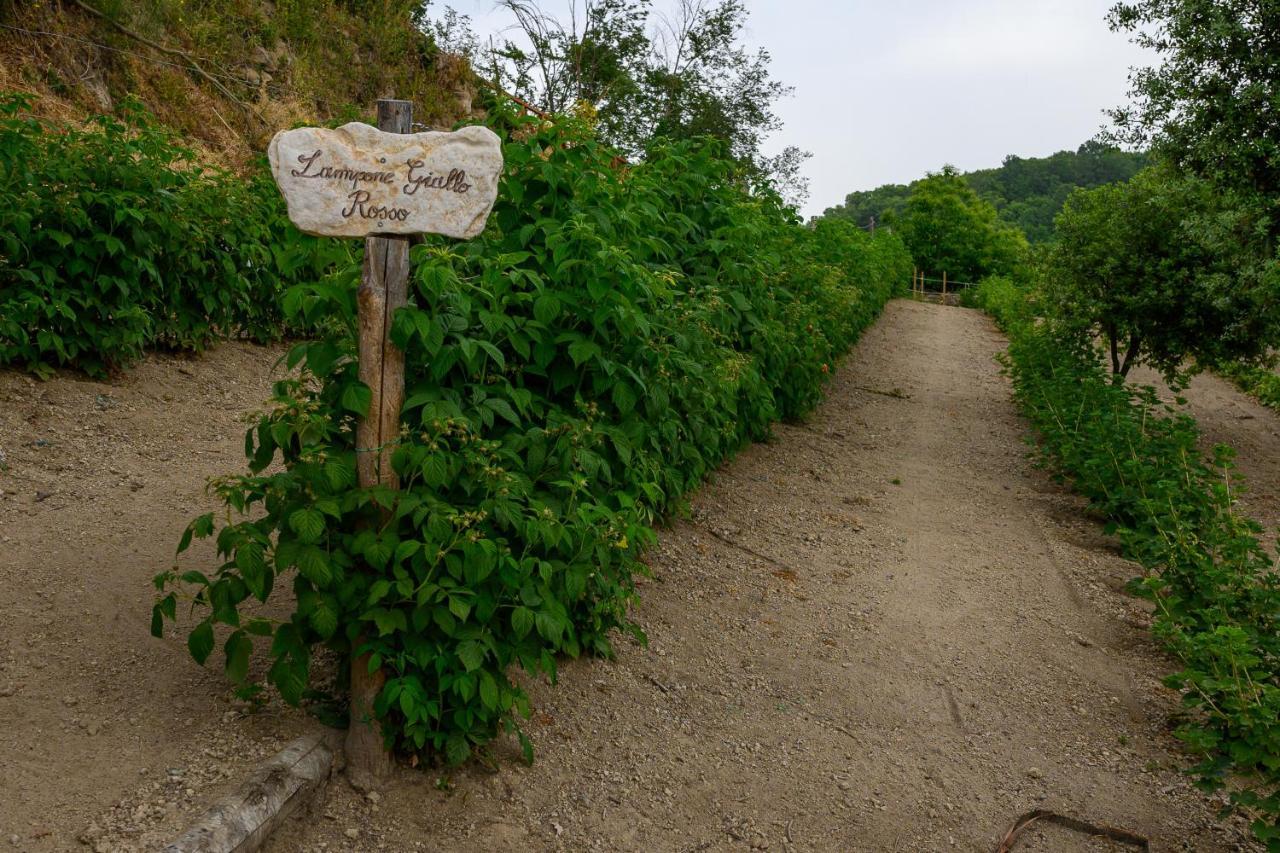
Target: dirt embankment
[(883, 630)]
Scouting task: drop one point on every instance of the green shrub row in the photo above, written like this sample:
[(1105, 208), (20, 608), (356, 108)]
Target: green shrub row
[(1261, 383), (1213, 585), (616, 333), (112, 240)]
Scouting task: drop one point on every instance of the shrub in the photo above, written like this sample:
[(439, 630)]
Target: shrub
[(112, 240), (1213, 584), (615, 334)]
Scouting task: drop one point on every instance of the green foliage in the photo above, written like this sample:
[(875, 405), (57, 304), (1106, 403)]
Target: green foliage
[(1210, 107), (1163, 272), (947, 228), (1000, 297), (1260, 381), (1214, 587), (112, 240), (1027, 192), (614, 335), (648, 76)]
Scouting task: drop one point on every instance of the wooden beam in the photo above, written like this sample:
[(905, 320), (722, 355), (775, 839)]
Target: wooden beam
[(242, 822)]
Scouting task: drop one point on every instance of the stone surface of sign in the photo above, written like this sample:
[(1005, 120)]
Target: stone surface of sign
[(357, 180)]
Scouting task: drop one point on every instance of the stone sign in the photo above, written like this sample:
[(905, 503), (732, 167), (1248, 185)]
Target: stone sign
[(357, 180)]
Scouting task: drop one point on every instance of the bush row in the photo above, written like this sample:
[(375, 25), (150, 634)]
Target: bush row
[(1261, 383), (1213, 584), (112, 239), (616, 333)]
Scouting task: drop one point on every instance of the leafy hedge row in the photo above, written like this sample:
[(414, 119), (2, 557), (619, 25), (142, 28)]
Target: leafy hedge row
[(1261, 383), (1214, 587), (616, 333), (112, 240)]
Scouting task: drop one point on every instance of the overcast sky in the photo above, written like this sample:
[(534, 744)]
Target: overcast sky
[(885, 91)]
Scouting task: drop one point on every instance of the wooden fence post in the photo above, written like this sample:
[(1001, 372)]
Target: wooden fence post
[(944, 286), (383, 289)]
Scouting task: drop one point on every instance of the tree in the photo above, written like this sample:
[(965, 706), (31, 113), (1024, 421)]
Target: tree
[(948, 228), (1154, 267), (1027, 192), (645, 78), (1212, 108)]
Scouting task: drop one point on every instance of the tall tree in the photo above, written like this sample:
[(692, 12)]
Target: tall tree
[(1152, 266), (1212, 107), (648, 76), (948, 228)]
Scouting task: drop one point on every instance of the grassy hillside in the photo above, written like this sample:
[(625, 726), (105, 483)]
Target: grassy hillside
[(1027, 192), (226, 74)]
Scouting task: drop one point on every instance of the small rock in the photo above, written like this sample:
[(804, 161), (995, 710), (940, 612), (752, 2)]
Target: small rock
[(15, 839), (373, 796), (352, 833), (259, 56), (93, 728), (43, 496), (1035, 773)]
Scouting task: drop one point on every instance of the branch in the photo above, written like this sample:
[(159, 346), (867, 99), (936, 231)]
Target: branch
[(171, 51)]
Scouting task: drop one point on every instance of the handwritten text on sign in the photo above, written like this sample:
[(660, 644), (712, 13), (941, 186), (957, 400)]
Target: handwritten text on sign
[(357, 180)]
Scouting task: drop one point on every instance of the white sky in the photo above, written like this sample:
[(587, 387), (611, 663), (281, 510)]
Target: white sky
[(885, 91)]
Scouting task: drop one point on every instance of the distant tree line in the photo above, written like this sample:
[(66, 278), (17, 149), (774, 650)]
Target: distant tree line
[(1026, 192)]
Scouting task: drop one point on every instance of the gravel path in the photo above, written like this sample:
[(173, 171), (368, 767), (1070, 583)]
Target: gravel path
[(883, 630)]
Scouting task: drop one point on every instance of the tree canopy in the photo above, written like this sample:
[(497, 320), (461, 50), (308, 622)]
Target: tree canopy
[(948, 228), (1026, 191), (1153, 266), (1212, 107), (647, 77)]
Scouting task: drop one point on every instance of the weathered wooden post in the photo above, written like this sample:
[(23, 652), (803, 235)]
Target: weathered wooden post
[(383, 184), (384, 287)]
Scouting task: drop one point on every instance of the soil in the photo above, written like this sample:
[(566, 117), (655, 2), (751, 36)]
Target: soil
[(883, 630)]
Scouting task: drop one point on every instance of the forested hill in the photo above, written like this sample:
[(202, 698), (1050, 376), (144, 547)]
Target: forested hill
[(1027, 192)]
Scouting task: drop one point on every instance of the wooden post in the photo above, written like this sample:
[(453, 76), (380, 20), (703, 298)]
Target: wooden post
[(383, 289), (944, 286)]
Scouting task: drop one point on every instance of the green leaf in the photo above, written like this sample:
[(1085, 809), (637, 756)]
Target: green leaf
[(546, 308), (434, 470), (356, 398), (313, 563), (623, 397), (582, 351), (471, 654), (200, 642), (238, 648), (503, 408), (324, 619), (457, 750), (488, 691), (522, 621), (308, 524)]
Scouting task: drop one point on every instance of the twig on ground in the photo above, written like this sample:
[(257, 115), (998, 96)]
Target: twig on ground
[(1093, 829), (895, 393)]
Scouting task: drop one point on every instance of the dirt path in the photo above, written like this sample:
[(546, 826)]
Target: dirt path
[(101, 727), (883, 631)]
